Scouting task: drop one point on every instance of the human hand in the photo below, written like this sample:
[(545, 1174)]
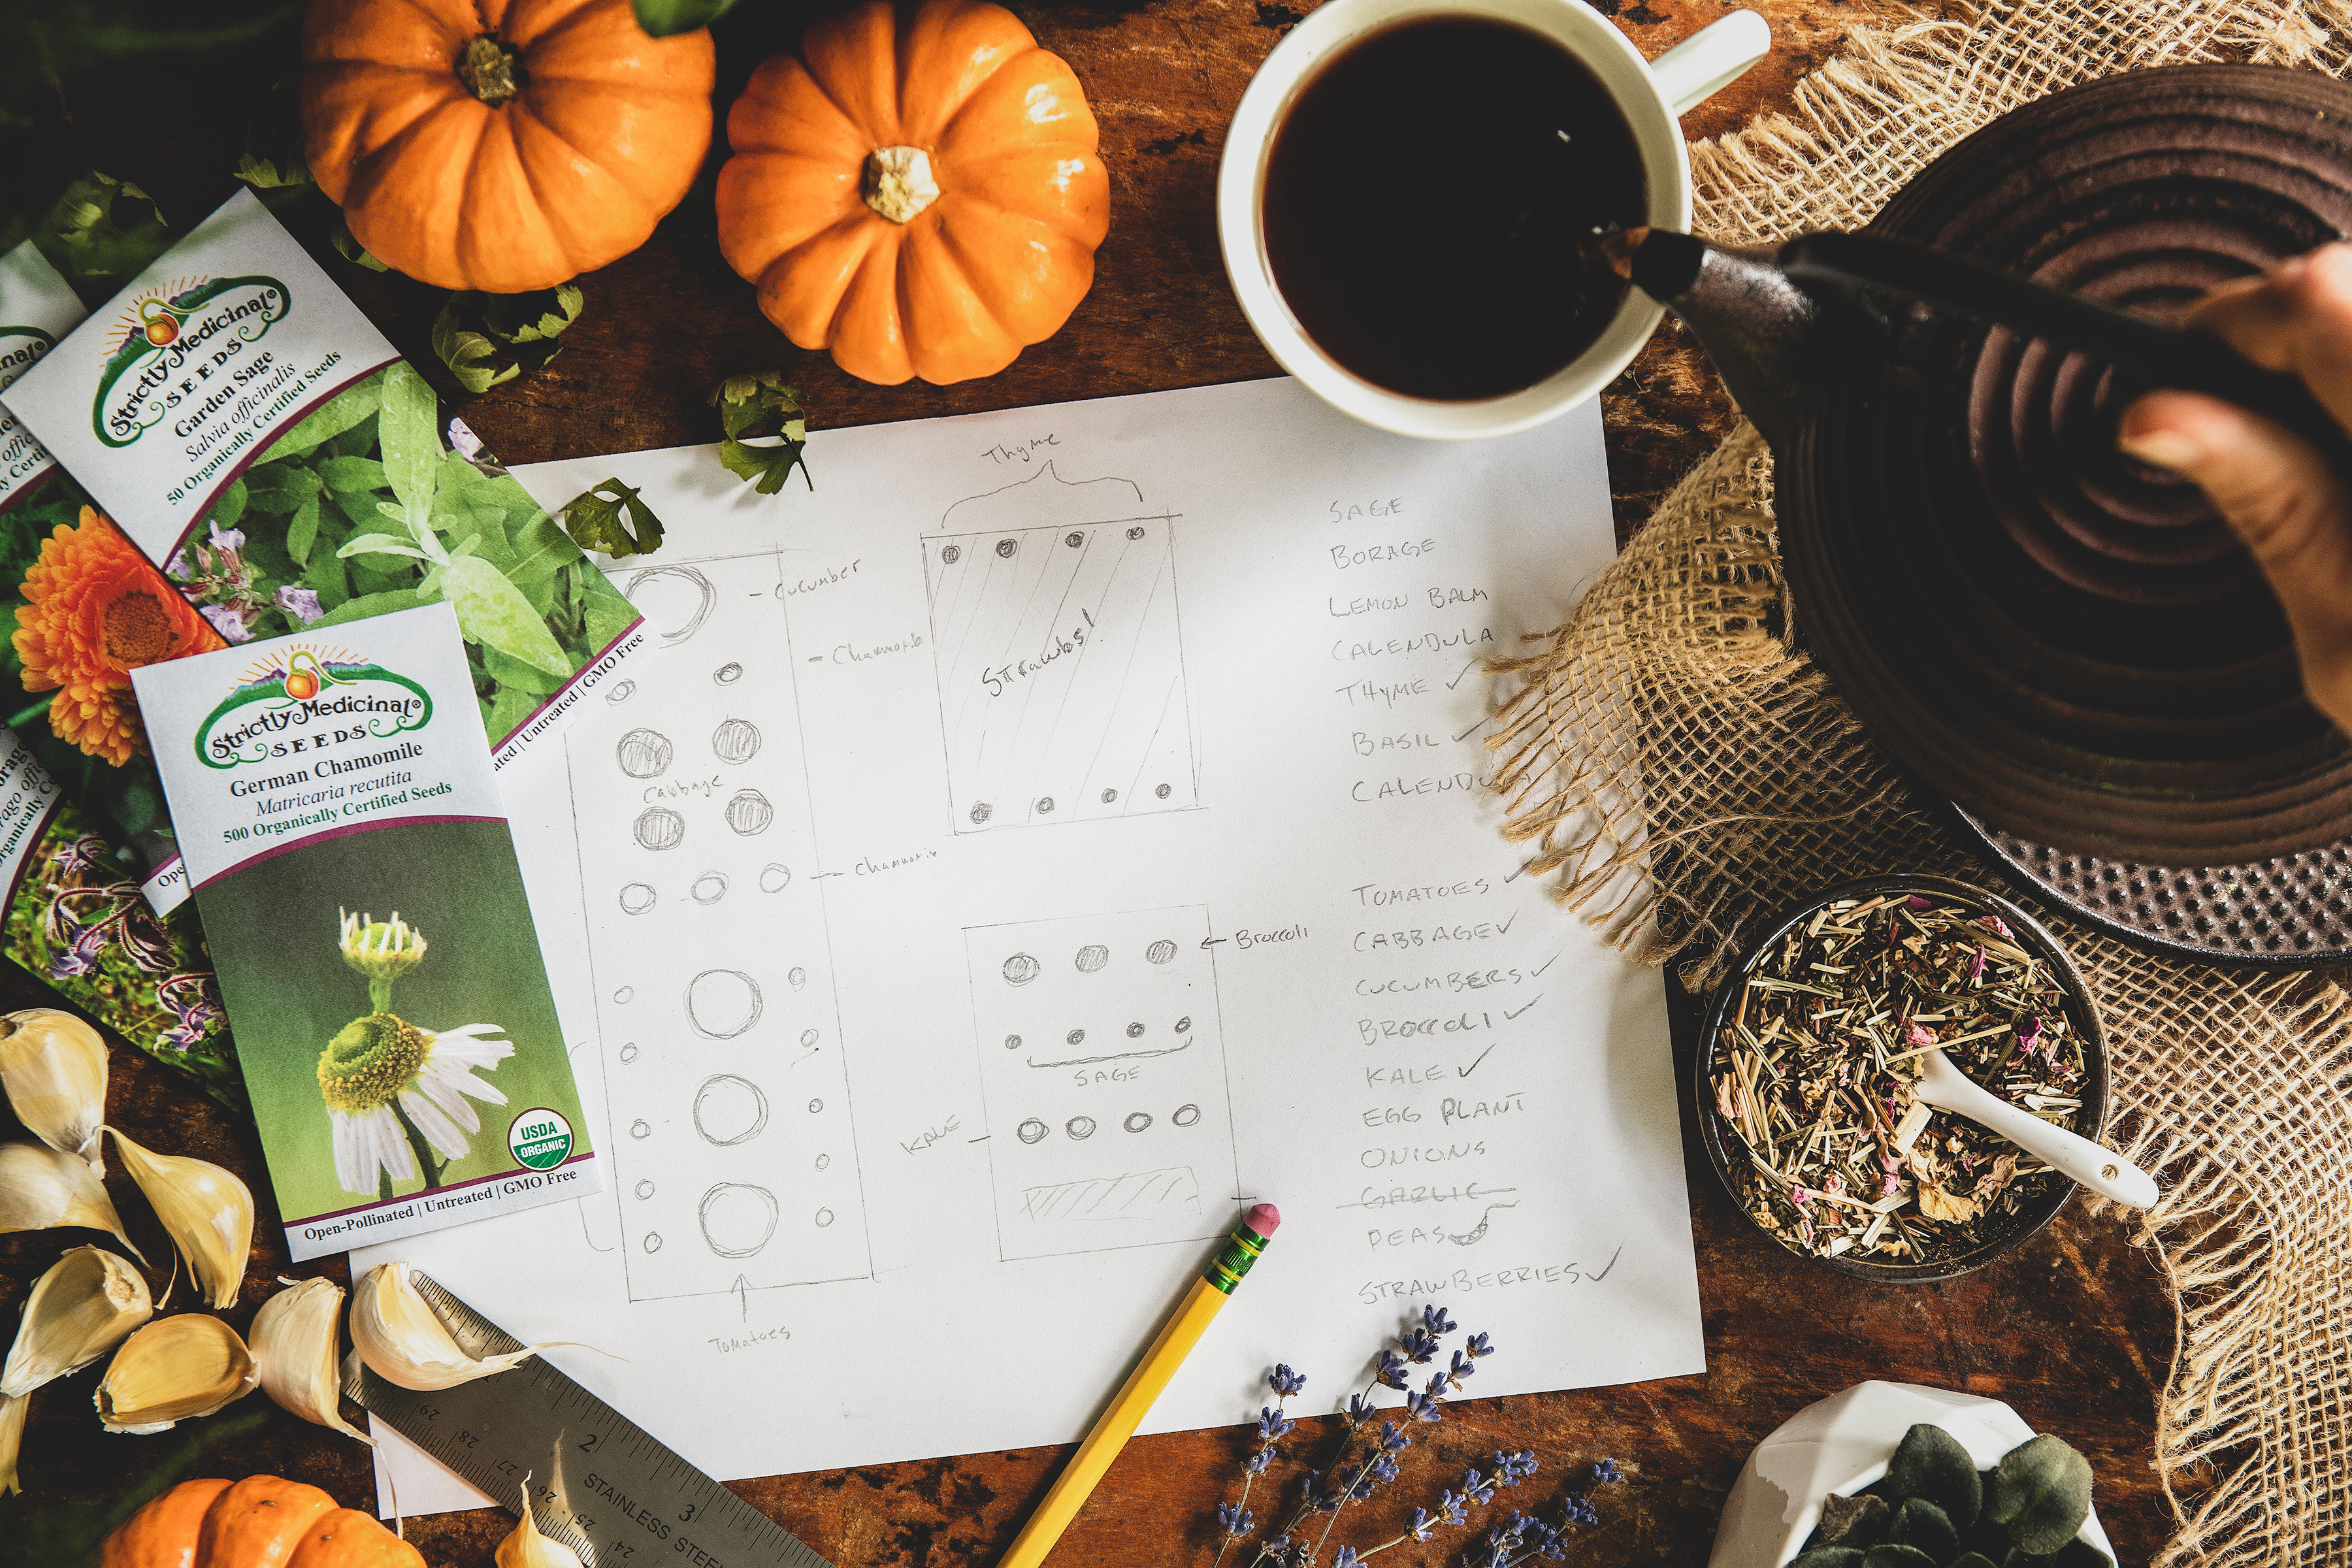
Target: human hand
[(2276, 491)]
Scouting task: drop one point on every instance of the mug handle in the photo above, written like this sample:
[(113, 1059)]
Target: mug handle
[(1711, 60)]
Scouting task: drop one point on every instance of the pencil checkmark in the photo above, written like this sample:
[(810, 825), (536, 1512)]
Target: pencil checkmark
[(1465, 1072), (1547, 963), (1503, 928), (1508, 1016), (1466, 669), (1597, 1278), (1474, 729)]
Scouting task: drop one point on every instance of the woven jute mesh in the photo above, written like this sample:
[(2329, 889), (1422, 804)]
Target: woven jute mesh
[(1682, 769)]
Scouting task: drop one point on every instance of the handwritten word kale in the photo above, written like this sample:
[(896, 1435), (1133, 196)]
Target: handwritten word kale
[(485, 339), (762, 406), (1934, 1508), (592, 519)]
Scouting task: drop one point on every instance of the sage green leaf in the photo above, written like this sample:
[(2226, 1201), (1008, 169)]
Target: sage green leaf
[(353, 476), (608, 615), (2041, 1491), (1897, 1557), (492, 611), (329, 419), (325, 577), (302, 531), (504, 713), (381, 544), (1930, 1463), (594, 521), (280, 487), (230, 506), (270, 174), (1921, 1523), (472, 358), (350, 249), (408, 431), (541, 549), (661, 18), (1829, 1557), (513, 673), (363, 607)]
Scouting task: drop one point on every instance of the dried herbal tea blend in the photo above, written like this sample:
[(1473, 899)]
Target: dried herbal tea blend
[(1814, 1068)]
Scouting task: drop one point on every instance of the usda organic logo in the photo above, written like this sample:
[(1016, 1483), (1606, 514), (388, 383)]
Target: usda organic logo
[(540, 1139)]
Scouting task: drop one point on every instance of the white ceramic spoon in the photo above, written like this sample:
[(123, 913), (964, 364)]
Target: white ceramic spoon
[(2098, 1167)]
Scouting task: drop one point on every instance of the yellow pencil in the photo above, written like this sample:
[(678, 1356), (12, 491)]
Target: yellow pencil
[(1177, 1337)]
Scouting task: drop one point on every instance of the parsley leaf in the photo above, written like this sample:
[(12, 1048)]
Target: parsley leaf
[(485, 339), (762, 404), (592, 519)]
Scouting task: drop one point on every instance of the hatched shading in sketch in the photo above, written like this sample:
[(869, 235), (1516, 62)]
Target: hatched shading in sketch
[(1055, 630), (1103, 1074)]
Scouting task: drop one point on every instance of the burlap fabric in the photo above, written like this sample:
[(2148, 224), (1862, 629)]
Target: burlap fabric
[(1683, 770)]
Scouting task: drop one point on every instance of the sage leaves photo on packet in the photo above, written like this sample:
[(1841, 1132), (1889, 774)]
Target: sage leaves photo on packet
[(261, 443)]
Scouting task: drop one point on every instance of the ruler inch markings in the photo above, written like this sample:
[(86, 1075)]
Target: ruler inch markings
[(643, 1504)]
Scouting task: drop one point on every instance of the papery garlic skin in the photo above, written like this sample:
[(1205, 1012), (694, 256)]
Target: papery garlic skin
[(525, 1547), (403, 1341), (84, 1306), (53, 1067), (41, 1187), (207, 1210), (173, 1370), (294, 1336), (12, 1438)]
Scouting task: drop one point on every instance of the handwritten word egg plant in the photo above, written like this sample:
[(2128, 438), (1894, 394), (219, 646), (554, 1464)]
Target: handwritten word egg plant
[(921, 196)]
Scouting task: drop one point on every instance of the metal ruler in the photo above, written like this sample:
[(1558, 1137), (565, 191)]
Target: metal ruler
[(598, 1483)]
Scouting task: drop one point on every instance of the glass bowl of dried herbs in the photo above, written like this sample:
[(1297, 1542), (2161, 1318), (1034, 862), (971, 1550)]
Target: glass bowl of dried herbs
[(1804, 1076)]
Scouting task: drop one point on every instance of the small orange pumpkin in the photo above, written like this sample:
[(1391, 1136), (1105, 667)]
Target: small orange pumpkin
[(261, 1521), (918, 192), (503, 145)]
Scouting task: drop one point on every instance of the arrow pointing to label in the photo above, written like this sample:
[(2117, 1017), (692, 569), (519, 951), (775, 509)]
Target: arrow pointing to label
[(1208, 941), (742, 1288)]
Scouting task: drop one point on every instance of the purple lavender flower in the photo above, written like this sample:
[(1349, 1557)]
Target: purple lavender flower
[(1391, 1372), (1513, 1469), (1423, 1527), (1345, 1558), (1272, 1423), (1360, 1409), (1418, 1346), (1462, 1367), (1450, 1509), (228, 622), (1606, 1473), (1391, 1440), (1578, 1510), (1234, 1521), (1258, 1462), (1422, 1407), (302, 603), (1382, 1470), (1434, 1320), (1477, 1488), (1285, 1382), (1477, 1346)]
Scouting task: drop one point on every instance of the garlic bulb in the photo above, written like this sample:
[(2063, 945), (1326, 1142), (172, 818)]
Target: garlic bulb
[(527, 1548), (173, 1370), (403, 1340), (53, 1067), (207, 1210), (294, 1350), (40, 1187), (78, 1311)]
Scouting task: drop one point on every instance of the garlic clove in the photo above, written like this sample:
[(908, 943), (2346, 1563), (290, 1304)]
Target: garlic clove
[(208, 1212), (41, 1188), (525, 1547), (404, 1340), (12, 1438), (53, 1067), (174, 1369), (79, 1309), (294, 1336)]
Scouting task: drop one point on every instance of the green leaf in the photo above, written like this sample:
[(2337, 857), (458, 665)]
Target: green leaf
[(379, 545), (266, 174), (608, 615), (1897, 1557), (1921, 1523), (349, 247), (354, 476), (593, 521), (231, 505), (541, 549), (768, 465), (1930, 1463), (472, 358), (504, 713), (408, 431), (523, 677), (280, 487), (2041, 1491), (326, 577), (539, 316), (101, 231), (664, 18), (340, 412), (364, 606), (756, 401), (492, 611), (302, 531)]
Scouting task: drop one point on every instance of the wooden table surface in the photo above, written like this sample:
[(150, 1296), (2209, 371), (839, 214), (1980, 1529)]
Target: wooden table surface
[(2073, 1329)]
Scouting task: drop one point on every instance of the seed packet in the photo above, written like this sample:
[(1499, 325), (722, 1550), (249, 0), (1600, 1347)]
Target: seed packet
[(262, 443), (350, 854), (94, 890)]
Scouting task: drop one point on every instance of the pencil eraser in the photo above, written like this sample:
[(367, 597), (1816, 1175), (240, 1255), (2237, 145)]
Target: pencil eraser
[(1263, 1218)]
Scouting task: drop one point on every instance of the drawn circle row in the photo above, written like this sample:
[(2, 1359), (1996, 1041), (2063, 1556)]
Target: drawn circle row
[(1078, 1128)]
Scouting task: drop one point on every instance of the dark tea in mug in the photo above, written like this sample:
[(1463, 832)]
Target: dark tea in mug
[(1430, 200)]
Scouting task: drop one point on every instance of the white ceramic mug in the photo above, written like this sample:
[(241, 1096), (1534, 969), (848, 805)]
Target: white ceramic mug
[(1651, 95)]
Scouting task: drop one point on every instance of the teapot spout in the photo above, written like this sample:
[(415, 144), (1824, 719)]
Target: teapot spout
[(1761, 329)]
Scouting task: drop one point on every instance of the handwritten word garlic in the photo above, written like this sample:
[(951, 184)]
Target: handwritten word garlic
[(294, 1349), (41, 1187), (53, 1067), (404, 1340), (81, 1309), (207, 1211), (527, 1548), (173, 1370)]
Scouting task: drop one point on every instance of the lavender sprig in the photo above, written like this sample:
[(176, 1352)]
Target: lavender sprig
[(1234, 1519)]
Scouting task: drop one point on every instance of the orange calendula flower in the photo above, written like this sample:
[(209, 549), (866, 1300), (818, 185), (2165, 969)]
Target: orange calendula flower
[(94, 611)]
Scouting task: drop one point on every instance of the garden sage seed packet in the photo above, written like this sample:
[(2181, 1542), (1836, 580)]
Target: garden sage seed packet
[(350, 853), (94, 890), (253, 435)]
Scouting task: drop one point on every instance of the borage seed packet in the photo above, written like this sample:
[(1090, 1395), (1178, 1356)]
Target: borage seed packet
[(350, 855)]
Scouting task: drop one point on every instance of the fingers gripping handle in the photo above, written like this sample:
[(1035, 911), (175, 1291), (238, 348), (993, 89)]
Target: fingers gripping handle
[(1711, 60)]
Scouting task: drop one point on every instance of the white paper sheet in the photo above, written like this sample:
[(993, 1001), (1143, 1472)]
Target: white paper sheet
[(1053, 834)]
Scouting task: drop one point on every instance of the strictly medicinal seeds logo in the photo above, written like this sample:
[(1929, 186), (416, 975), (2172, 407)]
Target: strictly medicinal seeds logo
[(21, 349), (306, 699), (175, 353)]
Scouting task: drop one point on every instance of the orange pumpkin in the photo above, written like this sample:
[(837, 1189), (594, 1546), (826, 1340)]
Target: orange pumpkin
[(918, 192), (261, 1521), (500, 144)]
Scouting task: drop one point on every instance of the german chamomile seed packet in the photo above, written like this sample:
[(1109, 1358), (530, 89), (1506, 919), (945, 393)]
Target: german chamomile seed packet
[(350, 855), (260, 442)]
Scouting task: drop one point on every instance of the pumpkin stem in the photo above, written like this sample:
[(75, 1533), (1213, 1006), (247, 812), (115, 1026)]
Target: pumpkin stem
[(488, 69), (899, 183)]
